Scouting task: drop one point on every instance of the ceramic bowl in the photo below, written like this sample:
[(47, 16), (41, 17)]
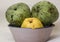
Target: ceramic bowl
[(30, 35)]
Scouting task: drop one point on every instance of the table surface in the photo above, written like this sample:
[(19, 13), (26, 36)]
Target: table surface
[(5, 34)]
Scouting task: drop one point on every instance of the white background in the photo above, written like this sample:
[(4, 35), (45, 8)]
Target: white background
[(5, 34)]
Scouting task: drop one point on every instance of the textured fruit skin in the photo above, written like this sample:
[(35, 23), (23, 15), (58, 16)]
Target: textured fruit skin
[(46, 12), (32, 23), (16, 13)]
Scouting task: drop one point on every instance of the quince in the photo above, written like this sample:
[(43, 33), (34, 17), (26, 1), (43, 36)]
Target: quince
[(32, 23)]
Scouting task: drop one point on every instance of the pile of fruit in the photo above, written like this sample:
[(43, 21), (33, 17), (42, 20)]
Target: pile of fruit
[(42, 14)]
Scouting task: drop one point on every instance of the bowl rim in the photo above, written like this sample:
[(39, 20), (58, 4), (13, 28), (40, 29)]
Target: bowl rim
[(52, 25)]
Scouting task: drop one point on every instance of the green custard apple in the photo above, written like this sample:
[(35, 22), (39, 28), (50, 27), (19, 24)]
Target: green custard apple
[(16, 13), (46, 12)]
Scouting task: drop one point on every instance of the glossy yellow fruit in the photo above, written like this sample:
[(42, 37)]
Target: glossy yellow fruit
[(32, 23)]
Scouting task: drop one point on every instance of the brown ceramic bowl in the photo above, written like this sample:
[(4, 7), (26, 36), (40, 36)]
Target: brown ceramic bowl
[(29, 35)]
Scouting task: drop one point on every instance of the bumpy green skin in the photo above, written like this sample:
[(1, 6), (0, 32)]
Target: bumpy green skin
[(16, 13), (46, 12)]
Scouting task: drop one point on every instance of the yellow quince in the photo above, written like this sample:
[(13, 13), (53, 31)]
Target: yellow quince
[(32, 23)]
